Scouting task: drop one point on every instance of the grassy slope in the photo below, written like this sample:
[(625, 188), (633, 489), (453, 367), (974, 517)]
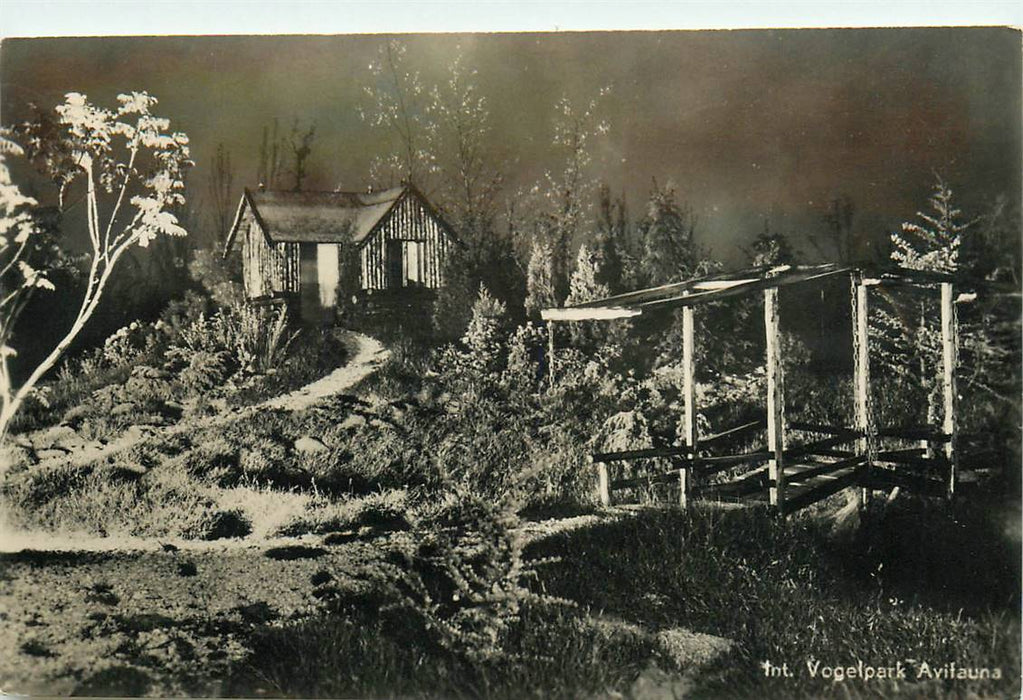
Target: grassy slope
[(917, 584)]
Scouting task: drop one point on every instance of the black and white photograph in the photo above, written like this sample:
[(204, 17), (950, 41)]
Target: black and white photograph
[(675, 363)]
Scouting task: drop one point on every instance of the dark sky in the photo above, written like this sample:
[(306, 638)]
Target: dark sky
[(749, 124)]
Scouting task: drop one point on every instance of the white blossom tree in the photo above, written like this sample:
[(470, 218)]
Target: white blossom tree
[(564, 197), (132, 169), (398, 101)]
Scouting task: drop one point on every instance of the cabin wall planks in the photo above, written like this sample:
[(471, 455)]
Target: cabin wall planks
[(412, 224), (269, 269)]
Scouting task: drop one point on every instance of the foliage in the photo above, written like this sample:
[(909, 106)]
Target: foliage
[(355, 649), (770, 248), (461, 136), (219, 277), (465, 576), (934, 244), (906, 330), (240, 341), (584, 286), (669, 251), (526, 354), (562, 201), (481, 338), (611, 241), (126, 154), (539, 280), (19, 236), (397, 101)]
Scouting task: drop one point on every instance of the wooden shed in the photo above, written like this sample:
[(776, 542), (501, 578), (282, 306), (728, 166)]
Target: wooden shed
[(294, 245)]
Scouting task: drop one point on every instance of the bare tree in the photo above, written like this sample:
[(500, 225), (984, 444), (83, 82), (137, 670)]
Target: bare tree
[(398, 102), (221, 191), (301, 147), (270, 156)]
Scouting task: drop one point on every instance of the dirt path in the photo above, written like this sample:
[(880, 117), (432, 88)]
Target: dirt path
[(368, 353)]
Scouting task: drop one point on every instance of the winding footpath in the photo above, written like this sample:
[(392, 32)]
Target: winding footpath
[(367, 354)]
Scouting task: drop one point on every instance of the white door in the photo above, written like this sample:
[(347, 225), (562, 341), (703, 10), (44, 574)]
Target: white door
[(327, 273), (414, 276)]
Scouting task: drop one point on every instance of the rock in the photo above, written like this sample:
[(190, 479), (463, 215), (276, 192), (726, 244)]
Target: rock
[(136, 433), (172, 409), (310, 445), (56, 453), (335, 538), (61, 436), (355, 420), (123, 409), (845, 522), (76, 416), (655, 684), (688, 649), (13, 455), (150, 419)]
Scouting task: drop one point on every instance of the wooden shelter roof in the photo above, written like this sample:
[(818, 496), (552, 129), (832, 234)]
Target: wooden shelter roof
[(722, 285)]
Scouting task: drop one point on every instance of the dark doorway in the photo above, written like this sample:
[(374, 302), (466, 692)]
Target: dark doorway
[(309, 290), (394, 262)]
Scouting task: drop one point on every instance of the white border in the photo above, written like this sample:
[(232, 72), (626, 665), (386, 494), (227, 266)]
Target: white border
[(183, 17)]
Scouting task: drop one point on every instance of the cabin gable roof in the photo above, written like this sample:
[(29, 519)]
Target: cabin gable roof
[(325, 217)]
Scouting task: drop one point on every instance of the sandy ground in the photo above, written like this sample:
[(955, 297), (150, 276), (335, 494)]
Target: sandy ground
[(154, 621), (140, 618)]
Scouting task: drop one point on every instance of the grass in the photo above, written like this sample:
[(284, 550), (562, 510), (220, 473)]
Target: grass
[(359, 651), (786, 592), (66, 392), (918, 583)]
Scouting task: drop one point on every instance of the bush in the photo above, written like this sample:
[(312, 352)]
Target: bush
[(464, 575)]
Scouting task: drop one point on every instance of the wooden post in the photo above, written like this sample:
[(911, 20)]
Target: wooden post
[(689, 427), (861, 376), (949, 361), (775, 400), (550, 351), (603, 485)]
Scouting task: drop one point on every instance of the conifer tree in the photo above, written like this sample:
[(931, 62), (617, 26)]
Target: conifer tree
[(669, 253), (583, 286), (539, 280), (905, 330)]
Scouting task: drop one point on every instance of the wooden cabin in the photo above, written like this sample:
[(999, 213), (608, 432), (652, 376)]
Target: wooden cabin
[(294, 245)]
